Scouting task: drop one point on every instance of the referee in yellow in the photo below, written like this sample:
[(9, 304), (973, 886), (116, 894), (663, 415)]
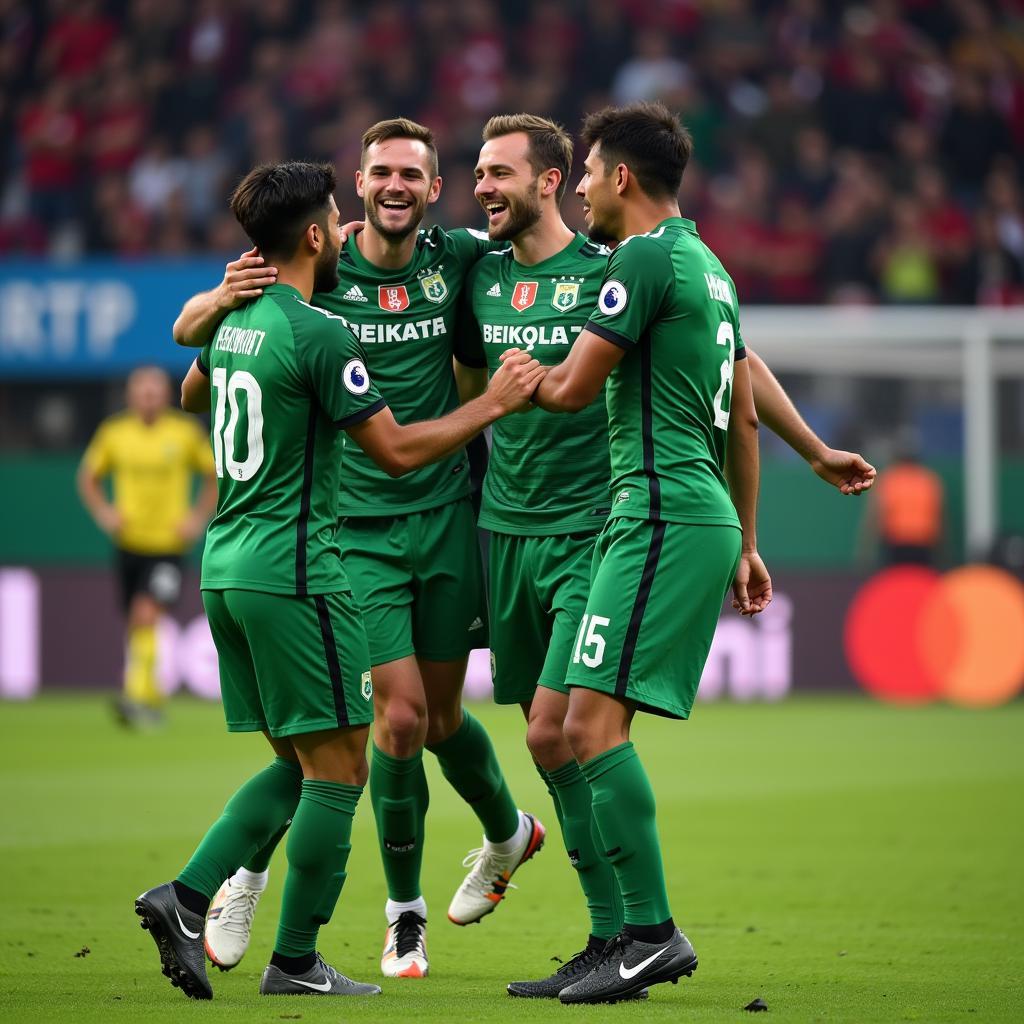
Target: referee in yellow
[(152, 455)]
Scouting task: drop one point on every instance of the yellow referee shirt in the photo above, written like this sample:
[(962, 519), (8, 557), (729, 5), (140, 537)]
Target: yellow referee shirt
[(152, 468)]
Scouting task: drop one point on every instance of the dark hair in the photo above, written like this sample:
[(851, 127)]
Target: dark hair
[(648, 139), (400, 128), (549, 143), (275, 203)]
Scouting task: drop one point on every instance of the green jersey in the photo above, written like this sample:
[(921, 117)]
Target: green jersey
[(667, 300), (286, 379), (406, 323), (547, 474)]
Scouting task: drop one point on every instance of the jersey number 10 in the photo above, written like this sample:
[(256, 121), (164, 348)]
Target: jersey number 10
[(226, 390)]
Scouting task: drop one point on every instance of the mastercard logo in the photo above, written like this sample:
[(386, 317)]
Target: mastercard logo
[(913, 635)]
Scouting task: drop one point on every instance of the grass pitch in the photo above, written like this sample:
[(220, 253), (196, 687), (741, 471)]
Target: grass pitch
[(841, 860)]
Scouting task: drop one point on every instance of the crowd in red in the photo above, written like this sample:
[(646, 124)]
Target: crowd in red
[(856, 152)]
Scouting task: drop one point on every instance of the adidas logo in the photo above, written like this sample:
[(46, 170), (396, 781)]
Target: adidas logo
[(355, 294), (477, 623), (494, 291)]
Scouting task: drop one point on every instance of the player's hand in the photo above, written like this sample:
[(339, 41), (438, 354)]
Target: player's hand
[(110, 520), (515, 380), (353, 227), (846, 470), (752, 586), (245, 279), (190, 529)]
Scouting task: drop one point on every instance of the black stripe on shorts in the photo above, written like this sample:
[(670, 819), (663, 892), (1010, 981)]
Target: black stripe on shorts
[(333, 664), (643, 594)]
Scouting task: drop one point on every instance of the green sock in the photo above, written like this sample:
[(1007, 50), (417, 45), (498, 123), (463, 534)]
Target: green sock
[(469, 763), (546, 777), (250, 818), (260, 860), (624, 812), (595, 873), (399, 794), (318, 849)]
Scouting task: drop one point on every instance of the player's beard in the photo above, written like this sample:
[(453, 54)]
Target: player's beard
[(602, 236), (416, 212), (325, 273), (522, 214)]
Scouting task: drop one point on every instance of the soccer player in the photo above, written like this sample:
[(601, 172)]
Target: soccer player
[(287, 379), (152, 456), (546, 491), (409, 548), (665, 336)]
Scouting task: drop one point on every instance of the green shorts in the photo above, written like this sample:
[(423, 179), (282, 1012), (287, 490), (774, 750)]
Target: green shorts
[(290, 665), (539, 589), (419, 582), (656, 594)]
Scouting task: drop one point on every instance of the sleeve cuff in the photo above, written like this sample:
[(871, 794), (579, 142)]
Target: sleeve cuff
[(616, 339), (471, 362), (363, 414), (201, 366), (740, 353)]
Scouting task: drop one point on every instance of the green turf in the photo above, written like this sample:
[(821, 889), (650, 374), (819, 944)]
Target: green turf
[(841, 860)]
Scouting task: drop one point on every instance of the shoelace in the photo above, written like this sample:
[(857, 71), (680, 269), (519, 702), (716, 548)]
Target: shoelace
[(409, 933), (484, 873), (616, 944), (579, 963), (239, 910), (327, 968)]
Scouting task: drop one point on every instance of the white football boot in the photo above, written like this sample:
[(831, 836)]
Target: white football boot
[(405, 947), (229, 923), (492, 868)]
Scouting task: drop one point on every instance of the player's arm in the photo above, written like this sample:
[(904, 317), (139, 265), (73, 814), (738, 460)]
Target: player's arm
[(752, 586), (195, 388), (244, 279), (575, 382), (469, 361), (400, 449), (91, 472), (846, 470), (470, 381)]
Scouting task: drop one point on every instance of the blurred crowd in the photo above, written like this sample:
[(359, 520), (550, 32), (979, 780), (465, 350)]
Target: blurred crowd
[(844, 152)]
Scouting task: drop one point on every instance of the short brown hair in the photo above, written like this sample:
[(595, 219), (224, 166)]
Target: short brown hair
[(275, 203), (549, 143), (648, 139), (401, 128)]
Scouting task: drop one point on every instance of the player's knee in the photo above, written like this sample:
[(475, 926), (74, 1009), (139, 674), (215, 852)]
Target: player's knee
[(546, 742), (443, 722), (405, 724), (143, 612), (578, 735)]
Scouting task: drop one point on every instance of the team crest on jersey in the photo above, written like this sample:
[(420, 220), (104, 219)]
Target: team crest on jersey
[(366, 686), (393, 298), (355, 378), (434, 288), (567, 294), (524, 295)]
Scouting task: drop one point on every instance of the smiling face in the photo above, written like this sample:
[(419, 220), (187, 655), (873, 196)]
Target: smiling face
[(396, 186), (602, 204), (507, 187)]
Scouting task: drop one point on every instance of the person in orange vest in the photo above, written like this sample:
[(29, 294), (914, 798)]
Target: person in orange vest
[(907, 514)]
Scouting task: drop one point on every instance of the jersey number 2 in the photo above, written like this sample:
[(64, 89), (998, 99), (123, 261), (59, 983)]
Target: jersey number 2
[(726, 336), (227, 389)]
